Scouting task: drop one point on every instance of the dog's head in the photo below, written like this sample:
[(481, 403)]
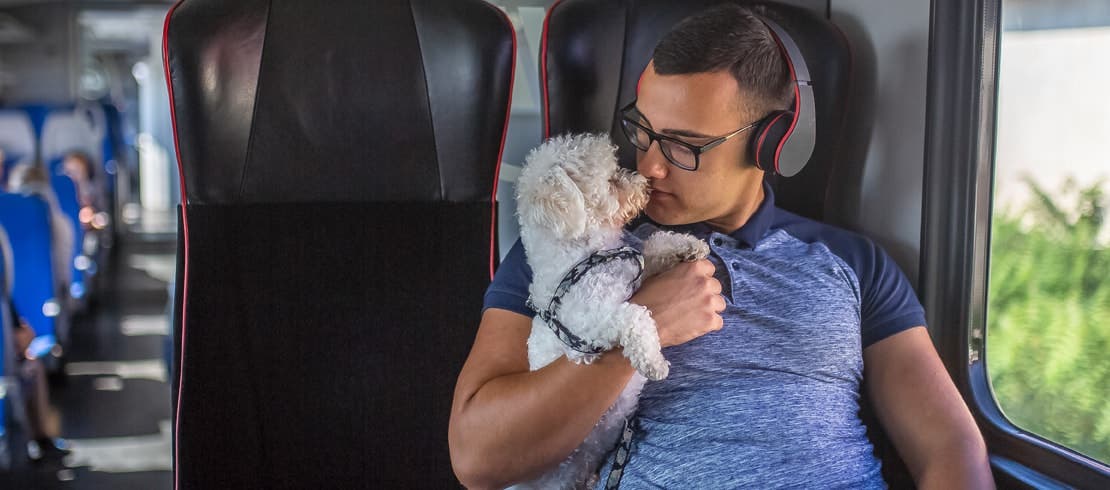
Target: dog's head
[(573, 186)]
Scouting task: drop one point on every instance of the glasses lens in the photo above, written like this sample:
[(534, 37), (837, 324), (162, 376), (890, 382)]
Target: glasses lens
[(637, 136), (678, 154)]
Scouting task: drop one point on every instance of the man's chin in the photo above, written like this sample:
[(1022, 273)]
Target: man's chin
[(665, 219)]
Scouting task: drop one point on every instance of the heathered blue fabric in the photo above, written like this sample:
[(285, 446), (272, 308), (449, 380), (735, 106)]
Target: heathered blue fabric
[(772, 399)]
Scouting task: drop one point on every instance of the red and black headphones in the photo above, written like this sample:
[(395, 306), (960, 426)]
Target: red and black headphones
[(784, 140)]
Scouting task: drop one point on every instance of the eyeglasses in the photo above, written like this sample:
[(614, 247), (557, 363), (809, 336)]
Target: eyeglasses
[(680, 153)]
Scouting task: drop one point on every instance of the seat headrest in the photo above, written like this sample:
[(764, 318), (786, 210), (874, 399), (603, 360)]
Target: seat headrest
[(17, 136), (390, 100), (79, 129), (594, 52)]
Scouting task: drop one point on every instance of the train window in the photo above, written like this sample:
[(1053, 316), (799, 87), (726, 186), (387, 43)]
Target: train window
[(525, 126), (1047, 343)]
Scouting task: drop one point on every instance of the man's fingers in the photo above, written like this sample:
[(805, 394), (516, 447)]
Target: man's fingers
[(704, 267), (714, 286), (718, 304)]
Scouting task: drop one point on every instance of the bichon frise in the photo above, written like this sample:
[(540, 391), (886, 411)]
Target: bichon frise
[(573, 201)]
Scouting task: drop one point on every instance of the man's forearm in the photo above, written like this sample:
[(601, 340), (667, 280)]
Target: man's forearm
[(516, 426)]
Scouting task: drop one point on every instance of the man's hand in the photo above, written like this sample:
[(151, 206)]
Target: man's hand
[(685, 302)]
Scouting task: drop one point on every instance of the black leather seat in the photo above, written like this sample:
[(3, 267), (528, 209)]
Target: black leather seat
[(338, 161), (583, 88)]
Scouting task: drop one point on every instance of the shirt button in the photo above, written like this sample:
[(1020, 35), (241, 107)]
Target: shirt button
[(735, 266), (718, 242)]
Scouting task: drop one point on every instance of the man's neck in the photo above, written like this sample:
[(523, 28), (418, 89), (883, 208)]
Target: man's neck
[(740, 215)]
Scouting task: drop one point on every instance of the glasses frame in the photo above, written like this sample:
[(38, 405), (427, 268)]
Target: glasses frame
[(626, 120)]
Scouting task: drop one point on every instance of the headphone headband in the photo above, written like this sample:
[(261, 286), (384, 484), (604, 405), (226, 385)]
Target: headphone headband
[(795, 146)]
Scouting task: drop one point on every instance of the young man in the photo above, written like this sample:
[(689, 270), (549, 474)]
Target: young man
[(768, 339)]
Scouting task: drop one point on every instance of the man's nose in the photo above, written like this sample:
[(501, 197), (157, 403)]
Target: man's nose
[(652, 164)]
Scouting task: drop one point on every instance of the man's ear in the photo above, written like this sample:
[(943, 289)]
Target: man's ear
[(559, 204)]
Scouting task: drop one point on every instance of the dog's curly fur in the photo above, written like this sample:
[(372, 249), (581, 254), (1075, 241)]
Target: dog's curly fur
[(573, 200)]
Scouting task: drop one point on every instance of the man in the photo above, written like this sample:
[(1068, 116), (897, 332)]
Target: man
[(768, 340)]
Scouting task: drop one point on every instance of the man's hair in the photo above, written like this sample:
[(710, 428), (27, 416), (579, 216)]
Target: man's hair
[(730, 38)]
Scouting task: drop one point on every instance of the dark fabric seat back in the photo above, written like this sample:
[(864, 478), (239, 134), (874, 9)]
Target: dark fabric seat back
[(338, 162)]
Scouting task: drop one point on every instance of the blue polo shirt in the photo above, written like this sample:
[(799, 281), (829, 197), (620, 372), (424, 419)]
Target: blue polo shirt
[(772, 399)]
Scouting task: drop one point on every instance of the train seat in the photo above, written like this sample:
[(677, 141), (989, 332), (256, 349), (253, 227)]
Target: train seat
[(27, 221), (81, 128), (337, 165), (8, 381), (17, 141), (66, 191), (583, 87)]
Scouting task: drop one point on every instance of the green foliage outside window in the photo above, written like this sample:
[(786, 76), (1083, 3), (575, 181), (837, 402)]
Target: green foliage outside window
[(1048, 317)]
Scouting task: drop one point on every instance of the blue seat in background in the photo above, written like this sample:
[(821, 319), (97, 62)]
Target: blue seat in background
[(9, 161), (68, 201), (17, 139), (6, 352), (12, 414), (37, 114), (73, 128), (114, 147), (27, 221)]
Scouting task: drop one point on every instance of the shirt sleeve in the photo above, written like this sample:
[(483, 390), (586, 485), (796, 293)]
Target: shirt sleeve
[(889, 304), (509, 289)]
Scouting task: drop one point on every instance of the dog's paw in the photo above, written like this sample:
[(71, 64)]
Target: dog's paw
[(665, 249), (690, 249), (655, 371)]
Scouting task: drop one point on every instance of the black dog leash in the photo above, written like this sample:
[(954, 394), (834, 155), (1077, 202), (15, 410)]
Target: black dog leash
[(575, 274)]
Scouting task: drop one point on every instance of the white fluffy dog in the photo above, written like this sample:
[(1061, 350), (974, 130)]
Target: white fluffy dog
[(573, 202)]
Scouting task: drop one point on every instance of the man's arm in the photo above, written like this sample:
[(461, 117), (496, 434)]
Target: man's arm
[(509, 424), (922, 412)]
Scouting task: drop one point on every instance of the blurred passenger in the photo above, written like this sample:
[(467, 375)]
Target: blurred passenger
[(33, 180), (42, 417), (90, 191)]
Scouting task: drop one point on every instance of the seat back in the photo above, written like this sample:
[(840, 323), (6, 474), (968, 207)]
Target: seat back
[(583, 88), (7, 360), (338, 165), (17, 140), (27, 220), (81, 128), (66, 190)]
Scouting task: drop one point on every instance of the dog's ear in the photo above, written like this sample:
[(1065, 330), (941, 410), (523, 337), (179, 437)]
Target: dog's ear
[(559, 204), (630, 189)]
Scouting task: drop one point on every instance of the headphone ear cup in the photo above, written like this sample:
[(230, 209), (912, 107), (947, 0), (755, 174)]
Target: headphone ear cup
[(768, 138)]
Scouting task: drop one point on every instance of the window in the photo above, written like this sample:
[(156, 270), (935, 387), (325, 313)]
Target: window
[(525, 127), (1048, 315)]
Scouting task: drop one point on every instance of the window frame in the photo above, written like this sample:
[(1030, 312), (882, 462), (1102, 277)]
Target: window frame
[(956, 224)]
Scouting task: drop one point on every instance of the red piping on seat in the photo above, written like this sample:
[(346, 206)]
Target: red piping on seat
[(501, 151), (185, 233), (543, 71)]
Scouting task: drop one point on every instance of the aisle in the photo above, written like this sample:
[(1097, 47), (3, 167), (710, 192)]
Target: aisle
[(114, 401)]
